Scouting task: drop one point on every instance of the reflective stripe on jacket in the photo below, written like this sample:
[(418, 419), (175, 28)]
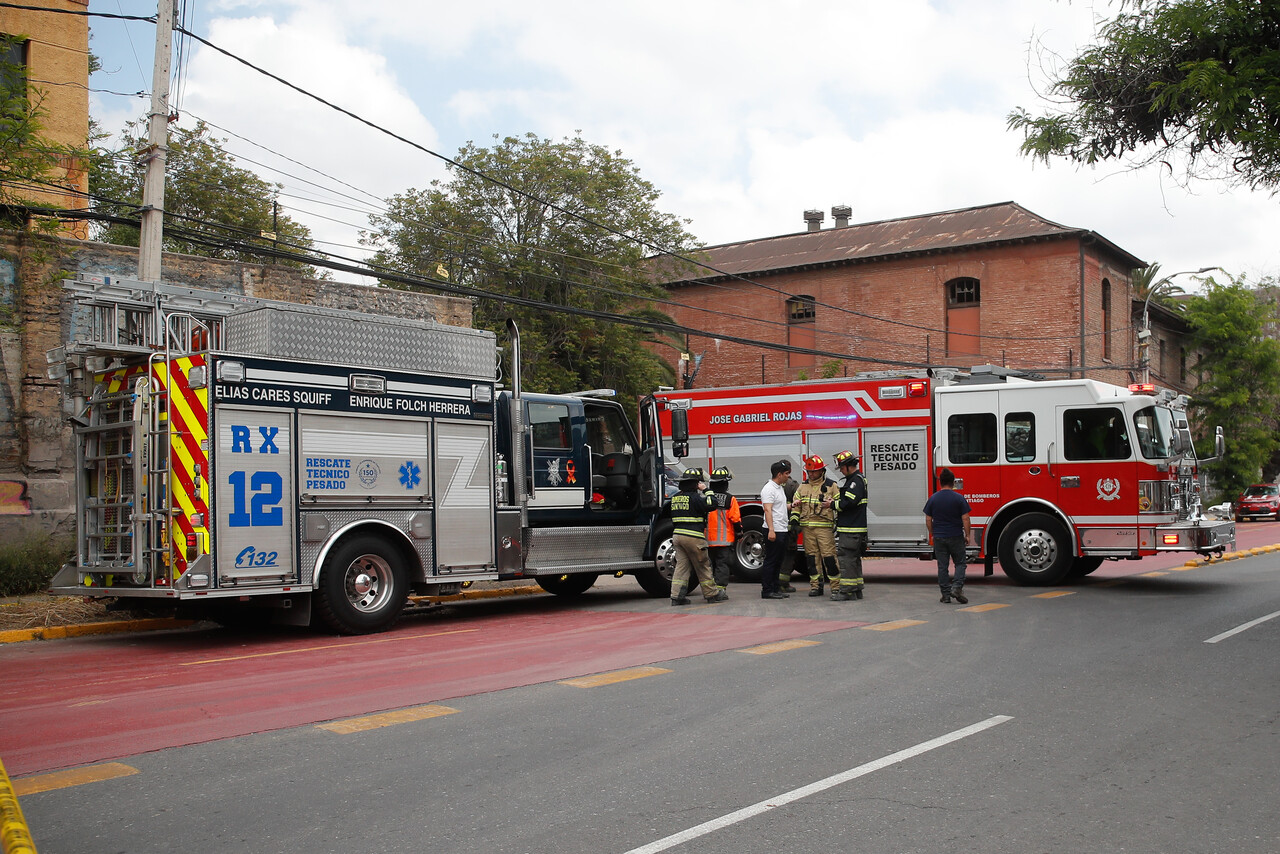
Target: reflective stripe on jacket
[(689, 513), (811, 513)]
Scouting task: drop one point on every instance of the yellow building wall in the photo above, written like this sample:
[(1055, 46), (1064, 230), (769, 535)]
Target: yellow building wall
[(58, 78)]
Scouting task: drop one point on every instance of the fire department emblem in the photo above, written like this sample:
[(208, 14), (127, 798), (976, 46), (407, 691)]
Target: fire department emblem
[(1108, 489), (553, 471)]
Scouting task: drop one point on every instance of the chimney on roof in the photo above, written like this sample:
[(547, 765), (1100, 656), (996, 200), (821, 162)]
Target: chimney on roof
[(814, 218), (841, 214)]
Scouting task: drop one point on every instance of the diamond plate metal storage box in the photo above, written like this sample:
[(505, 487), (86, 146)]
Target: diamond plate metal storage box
[(350, 338)]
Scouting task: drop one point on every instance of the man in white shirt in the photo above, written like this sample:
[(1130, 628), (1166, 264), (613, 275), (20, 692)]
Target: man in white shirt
[(776, 513)]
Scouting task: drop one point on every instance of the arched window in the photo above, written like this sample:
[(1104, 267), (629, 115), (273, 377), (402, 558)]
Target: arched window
[(964, 319), (1106, 318), (802, 318)]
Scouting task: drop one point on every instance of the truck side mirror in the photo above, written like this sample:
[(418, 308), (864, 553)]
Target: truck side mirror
[(680, 433), (1219, 443)]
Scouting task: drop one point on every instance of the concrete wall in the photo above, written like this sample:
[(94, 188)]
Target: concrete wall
[(896, 310), (36, 454)]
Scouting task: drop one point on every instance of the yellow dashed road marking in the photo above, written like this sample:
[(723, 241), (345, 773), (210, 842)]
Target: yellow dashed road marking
[(780, 646), (1184, 567), (74, 777), (1152, 574), (402, 716), (1054, 594), (896, 624), (989, 606), (598, 679), (327, 646)]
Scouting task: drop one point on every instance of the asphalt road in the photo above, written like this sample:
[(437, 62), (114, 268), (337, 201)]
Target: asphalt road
[(1096, 717)]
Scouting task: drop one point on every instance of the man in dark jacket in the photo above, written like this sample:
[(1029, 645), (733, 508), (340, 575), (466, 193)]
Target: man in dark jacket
[(688, 510), (851, 528)]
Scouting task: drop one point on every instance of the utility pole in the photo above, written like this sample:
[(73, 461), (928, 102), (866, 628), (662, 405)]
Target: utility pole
[(151, 240)]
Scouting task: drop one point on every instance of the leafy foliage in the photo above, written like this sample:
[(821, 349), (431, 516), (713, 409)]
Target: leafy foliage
[(1190, 80), (1240, 384), (206, 192), (528, 229), (29, 563)]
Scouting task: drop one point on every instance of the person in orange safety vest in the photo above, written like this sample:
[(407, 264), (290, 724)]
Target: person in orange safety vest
[(723, 524)]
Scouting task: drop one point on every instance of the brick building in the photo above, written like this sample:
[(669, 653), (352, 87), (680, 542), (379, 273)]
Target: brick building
[(994, 284), (46, 53)]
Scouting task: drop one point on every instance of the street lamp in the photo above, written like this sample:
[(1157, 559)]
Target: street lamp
[(1144, 334)]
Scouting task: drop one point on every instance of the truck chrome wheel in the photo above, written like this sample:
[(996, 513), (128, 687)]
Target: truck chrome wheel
[(363, 585), (665, 558), (367, 582), (1035, 549)]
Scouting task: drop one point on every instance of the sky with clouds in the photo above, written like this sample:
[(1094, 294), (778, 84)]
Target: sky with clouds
[(743, 113)]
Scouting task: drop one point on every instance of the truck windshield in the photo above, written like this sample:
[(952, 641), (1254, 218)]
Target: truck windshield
[(1154, 428)]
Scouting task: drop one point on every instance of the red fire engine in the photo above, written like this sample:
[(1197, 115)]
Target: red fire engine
[(1060, 474)]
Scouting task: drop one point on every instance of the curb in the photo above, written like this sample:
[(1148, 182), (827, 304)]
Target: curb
[(15, 836), (107, 627)]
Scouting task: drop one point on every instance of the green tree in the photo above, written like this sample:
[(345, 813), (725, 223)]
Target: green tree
[(29, 161), (1240, 385), (206, 194), (1196, 82), (522, 219)]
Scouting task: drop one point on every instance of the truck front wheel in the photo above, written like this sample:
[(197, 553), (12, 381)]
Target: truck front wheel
[(656, 581), (363, 586), (1035, 550)]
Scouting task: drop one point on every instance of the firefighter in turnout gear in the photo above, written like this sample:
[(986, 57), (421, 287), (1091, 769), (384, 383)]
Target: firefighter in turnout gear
[(722, 526), (688, 510), (812, 508), (851, 528)]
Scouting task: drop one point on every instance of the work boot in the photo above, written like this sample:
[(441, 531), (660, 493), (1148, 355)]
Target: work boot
[(857, 592), (841, 596), (946, 598), (683, 600), (958, 594), (720, 596), (786, 587), (815, 586)]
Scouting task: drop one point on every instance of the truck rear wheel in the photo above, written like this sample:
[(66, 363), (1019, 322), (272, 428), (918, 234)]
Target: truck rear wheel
[(363, 586), (1035, 550), (567, 585)]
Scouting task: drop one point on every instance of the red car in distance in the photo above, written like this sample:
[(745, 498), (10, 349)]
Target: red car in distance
[(1260, 501)]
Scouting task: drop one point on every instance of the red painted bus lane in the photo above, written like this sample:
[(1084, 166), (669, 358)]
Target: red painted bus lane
[(74, 702)]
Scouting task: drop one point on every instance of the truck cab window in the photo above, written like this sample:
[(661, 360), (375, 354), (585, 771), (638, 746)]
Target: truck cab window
[(1020, 437), (1095, 434), (1154, 429), (971, 438), (550, 423)]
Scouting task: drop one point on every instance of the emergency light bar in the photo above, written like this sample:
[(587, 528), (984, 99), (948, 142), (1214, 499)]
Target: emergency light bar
[(1142, 388)]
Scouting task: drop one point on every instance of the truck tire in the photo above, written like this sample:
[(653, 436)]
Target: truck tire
[(363, 586), (567, 586), (1082, 566), (1035, 550), (657, 581), (748, 550)]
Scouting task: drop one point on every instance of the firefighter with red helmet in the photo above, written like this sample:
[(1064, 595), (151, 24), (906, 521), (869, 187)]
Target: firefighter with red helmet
[(812, 509), (722, 526), (688, 510), (851, 528)]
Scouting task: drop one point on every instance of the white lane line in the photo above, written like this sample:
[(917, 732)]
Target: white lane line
[(813, 788), (1238, 629)]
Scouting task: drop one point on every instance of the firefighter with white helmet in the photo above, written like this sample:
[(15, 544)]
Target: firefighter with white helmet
[(722, 526), (812, 508), (688, 510), (851, 528)]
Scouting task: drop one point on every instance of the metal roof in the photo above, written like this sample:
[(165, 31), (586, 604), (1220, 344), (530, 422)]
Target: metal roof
[(948, 231)]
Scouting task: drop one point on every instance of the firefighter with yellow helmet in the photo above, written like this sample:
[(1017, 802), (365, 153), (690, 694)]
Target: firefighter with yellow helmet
[(722, 526), (813, 509), (688, 510), (851, 528)]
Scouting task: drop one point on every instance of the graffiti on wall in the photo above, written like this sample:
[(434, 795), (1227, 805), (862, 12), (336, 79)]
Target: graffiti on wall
[(13, 498)]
